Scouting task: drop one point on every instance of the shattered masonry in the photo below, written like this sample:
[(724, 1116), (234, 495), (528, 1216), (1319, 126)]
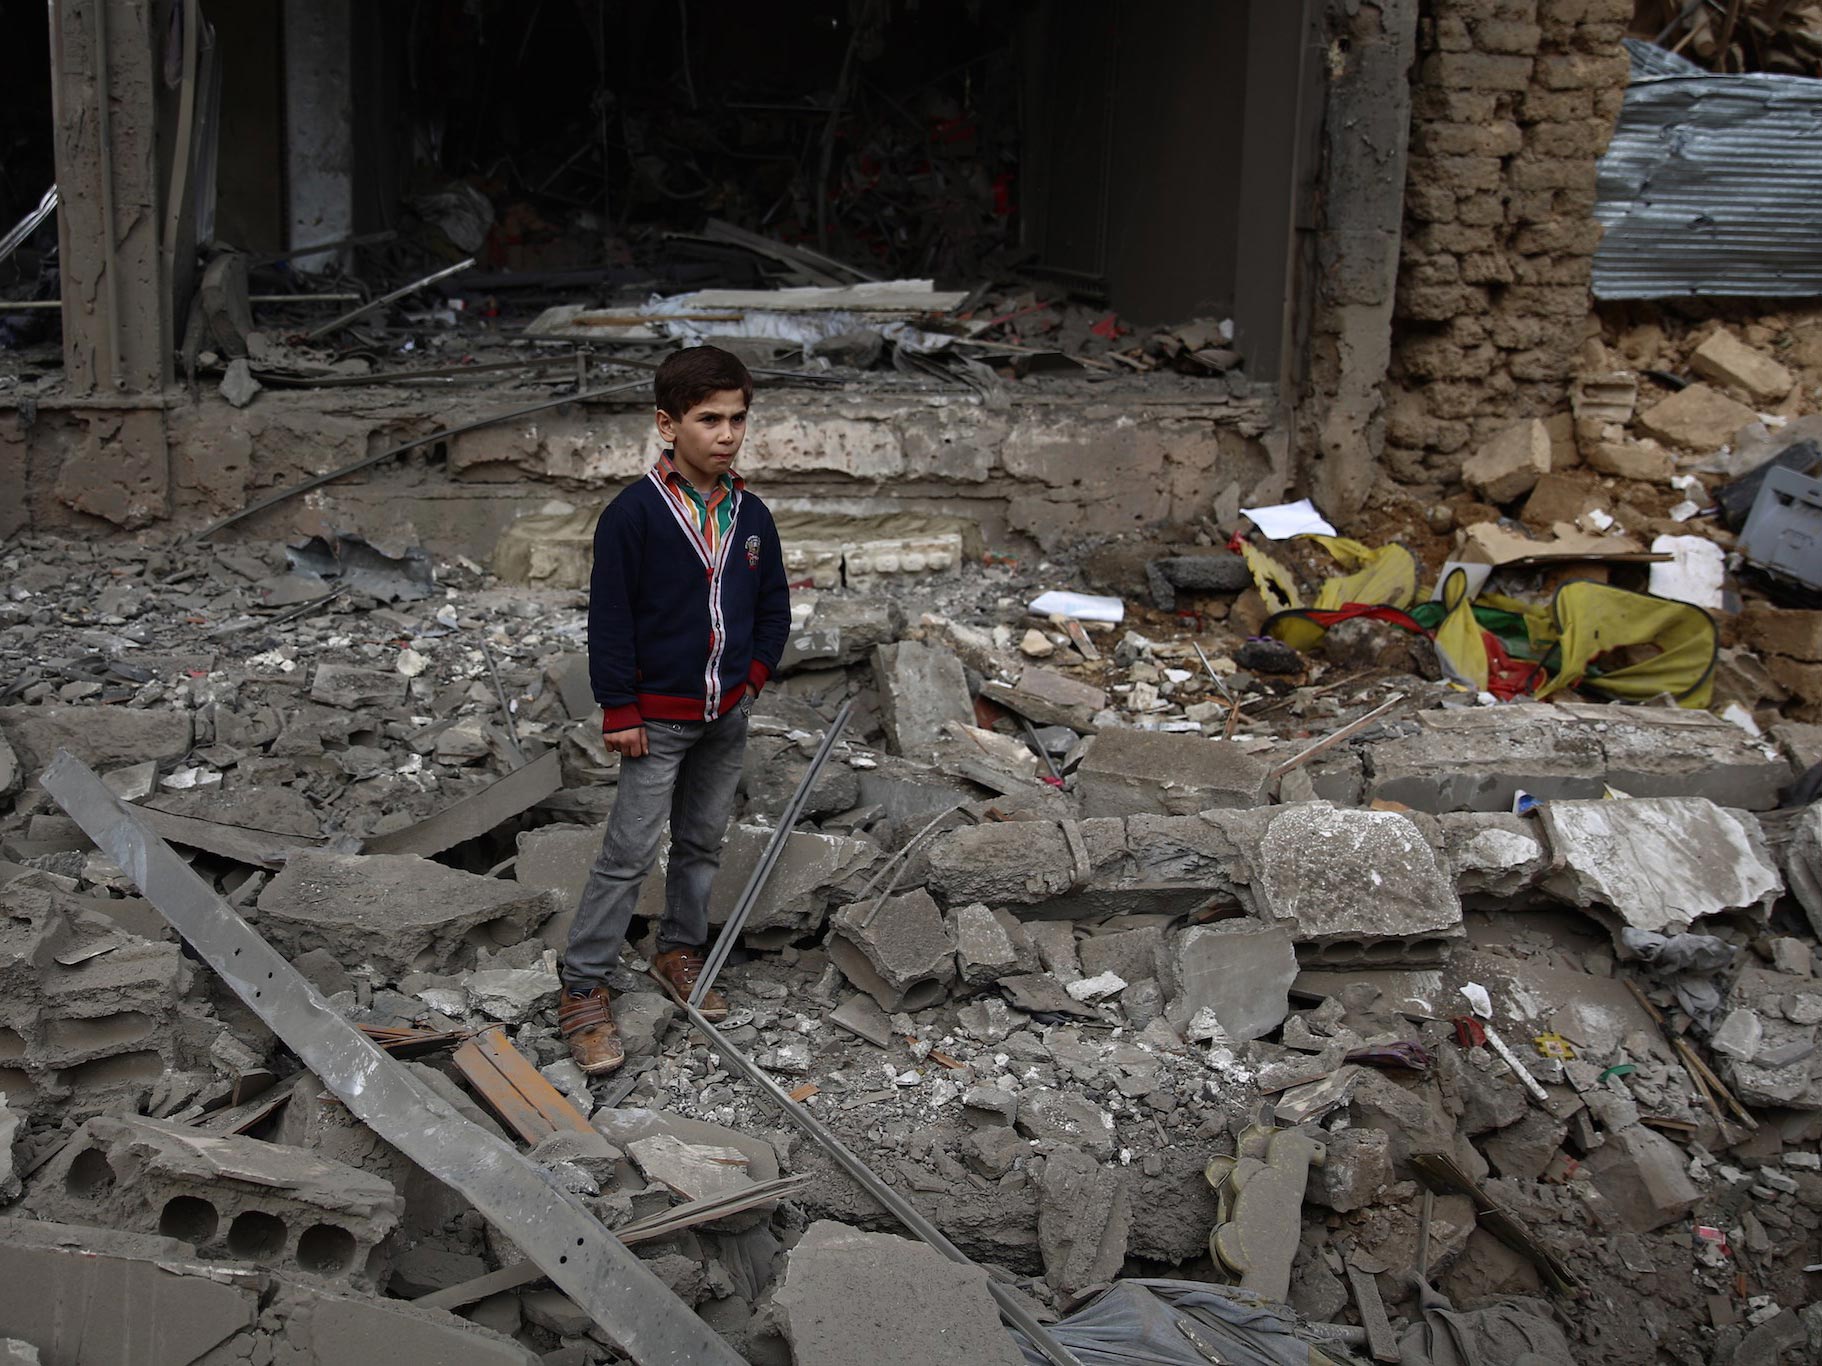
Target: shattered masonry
[(1053, 1024), (1259, 949)]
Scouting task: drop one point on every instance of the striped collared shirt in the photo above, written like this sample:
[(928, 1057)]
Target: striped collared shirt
[(712, 515)]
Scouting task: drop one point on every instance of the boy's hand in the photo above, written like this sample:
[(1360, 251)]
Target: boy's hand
[(630, 743)]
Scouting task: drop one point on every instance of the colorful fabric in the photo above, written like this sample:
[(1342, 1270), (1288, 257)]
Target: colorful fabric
[(714, 514)]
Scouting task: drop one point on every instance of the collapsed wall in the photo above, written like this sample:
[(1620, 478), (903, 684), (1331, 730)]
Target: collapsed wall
[(1514, 102)]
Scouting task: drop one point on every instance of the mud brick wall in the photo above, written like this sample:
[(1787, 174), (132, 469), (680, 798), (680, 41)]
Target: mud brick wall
[(1513, 103)]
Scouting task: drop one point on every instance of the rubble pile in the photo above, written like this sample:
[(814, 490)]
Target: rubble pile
[(1166, 968)]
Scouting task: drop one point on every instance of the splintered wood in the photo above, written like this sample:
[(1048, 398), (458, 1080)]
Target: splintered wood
[(514, 1090)]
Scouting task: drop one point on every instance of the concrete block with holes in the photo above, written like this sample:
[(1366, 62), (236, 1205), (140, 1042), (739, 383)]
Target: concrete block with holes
[(302, 1215), (87, 1012)]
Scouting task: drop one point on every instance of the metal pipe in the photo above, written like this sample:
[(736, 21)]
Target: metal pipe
[(25, 227), (908, 1214), (781, 833), (336, 324), (104, 130), (499, 691)]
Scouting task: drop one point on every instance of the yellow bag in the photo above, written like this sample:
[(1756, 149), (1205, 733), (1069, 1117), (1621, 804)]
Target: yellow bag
[(1461, 647), (1382, 577), (1590, 619)]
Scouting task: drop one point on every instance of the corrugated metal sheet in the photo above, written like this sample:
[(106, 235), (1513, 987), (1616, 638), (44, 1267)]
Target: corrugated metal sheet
[(1712, 185)]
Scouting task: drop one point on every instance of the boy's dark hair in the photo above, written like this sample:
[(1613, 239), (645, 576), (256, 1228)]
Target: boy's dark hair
[(687, 377)]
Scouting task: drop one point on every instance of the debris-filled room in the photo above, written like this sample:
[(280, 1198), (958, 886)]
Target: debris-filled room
[(1218, 758)]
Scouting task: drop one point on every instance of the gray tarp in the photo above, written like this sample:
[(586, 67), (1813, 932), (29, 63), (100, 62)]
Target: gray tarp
[(1514, 1332), (1137, 1323)]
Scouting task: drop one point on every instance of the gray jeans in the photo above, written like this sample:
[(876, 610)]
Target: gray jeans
[(690, 774)]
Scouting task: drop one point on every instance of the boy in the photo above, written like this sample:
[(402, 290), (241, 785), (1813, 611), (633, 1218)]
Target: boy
[(687, 617)]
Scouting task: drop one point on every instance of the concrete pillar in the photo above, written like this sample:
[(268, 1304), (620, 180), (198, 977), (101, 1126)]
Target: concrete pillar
[(117, 331), (116, 324), (1366, 140), (319, 125)]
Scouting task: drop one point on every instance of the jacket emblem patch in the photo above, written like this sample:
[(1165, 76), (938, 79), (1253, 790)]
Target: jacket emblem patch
[(752, 552)]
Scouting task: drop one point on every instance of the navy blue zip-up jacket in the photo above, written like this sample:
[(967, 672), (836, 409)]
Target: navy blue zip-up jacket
[(673, 634)]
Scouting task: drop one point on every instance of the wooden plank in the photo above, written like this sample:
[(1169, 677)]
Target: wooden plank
[(663, 1224), (500, 1095), (404, 1041), (505, 1079), (240, 1118), (1381, 1341), (558, 1110)]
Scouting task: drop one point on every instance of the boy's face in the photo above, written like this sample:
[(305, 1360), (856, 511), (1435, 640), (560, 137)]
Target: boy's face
[(705, 440)]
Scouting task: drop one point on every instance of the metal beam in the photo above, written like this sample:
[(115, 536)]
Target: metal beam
[(570, 1245)]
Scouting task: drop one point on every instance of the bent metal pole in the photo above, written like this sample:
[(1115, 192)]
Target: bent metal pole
[(781, 833)]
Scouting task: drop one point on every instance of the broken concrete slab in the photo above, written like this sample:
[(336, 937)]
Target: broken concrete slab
[(1084, 1219), (68, 1286), (1696, 419), (1063, 1119), (920, 687), (1645, 1177), (108, 736), (1129, 772), (10, 1183), (344, 1328), (1210, 572), (1049, 698), (351, 687), (1164, 865), (1133, 954), (1785, 1067), (1802, 858), (1644, 461), (849, 1296), (1493, 854), (397, 912), (811, 869), (511, 994), (774, 766), (643, 1016), (694, 1171), (844, 628), (1478, 759), (985, 948), (228, 1196), (1673, 752), (1239, 970), (477, 814), (1350, 886), (1726, 360), (861, 1016), (1042, 994), (902, 956), (1658, 863), (1510, 464)]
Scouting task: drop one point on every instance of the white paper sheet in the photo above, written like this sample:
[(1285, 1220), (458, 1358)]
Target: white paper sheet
[(1081, 606), (1285, 520), (1694, 576)]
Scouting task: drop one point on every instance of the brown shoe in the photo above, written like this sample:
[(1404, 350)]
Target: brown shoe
[(586, 1021), (678, 972)]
